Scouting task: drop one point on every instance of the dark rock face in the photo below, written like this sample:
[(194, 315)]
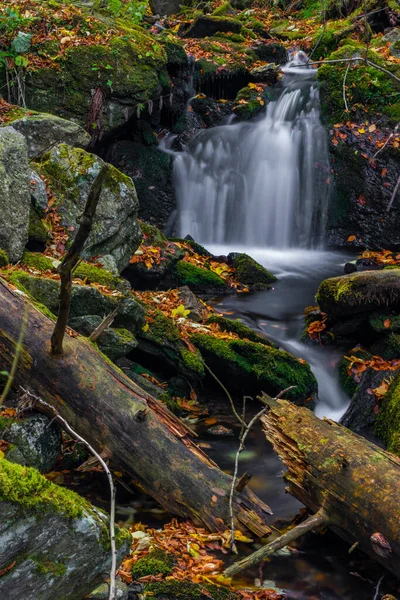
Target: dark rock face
[(361, 196), (35, 442), (151, 171), (165, 7), (271, 52), (209, 26)]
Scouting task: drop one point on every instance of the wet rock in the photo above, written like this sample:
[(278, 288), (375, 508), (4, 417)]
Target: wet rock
[(102, 592), (208, 26), (165, 7), (359, 293), (266, 73), (15, 198), (211, 111), (86, 324), (135, 591), (116, 343), (191, 303), (250, 272), (43, 131), (271, 52), (131, 315), (71, 173), (251, 101), (151, 171), (350, 268), (392, 35), (220, 431), (36, 442), (387, 425), (363, 407), (56, 541), (38, 191)]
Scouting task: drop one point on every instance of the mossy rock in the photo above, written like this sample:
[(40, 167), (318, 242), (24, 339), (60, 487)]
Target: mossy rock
[(369, 89), (359, 293), (250, 272), (38, 230), (199, 280), (208, 26), (186, 590), (250, 102), (117, 343), (236, 326), (94, 274), (38, 261), (387, 425), (385, 323), (388, 346), (155, 563), (3, 259), (271, 52), (251, 367)]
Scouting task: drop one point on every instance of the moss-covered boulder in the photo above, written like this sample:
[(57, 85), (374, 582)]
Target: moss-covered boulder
[(3, 259), (35, 441), (360, 293), (200, 280), (238, 327), (249, 272), (53, 543), (271, 52), (42, 131), (71, 173), (15, 198), (251, 367), (251, 100), (387, 425), (156, 562)]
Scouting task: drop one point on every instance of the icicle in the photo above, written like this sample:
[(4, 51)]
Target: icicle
[(161, 103), (138, 111), (150, 106), (126, 113), (171, 97)]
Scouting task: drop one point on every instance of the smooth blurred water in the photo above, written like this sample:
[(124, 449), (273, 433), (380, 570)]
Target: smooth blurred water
[(259, 183)]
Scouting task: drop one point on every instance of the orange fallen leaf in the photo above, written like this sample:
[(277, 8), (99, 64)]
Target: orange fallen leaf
[(386, 323)]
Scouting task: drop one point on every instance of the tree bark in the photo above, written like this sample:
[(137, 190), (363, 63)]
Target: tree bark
[(356, 483), (116, 416)]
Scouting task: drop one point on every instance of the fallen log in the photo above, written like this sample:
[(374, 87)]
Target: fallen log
[(352, 485), (117, 417)]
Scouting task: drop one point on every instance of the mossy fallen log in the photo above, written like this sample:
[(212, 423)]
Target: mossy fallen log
[(119, 418), (353, 481)]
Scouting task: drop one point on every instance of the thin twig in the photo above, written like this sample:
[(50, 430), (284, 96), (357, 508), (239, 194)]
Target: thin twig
[(246, 427), (235, 412), (371, 64), (387, 141), (396, 187), (321, 36), (18, 350), (29, 399), (366, 32), (344, 88), (378, 586), (106, 322)]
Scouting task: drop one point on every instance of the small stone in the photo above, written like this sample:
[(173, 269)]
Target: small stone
[(221, 431)]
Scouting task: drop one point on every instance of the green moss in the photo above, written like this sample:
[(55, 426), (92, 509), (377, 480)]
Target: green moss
[(3, 259), (38, 230), (33, 492), (197, 248), (387, 424), (254, 102), (155, 563), (369, 90), (224, 9), (162, 329), (94, 274), (152, 235), (348, 383), (193, 361), (377, 322), (49, 568), (253, 367), (236, 326), (37, 261), (196, 278), (250, 272), (388, 347), (186, 590)]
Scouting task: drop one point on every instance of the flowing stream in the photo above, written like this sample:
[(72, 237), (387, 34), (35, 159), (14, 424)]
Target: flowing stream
[(262, 187)]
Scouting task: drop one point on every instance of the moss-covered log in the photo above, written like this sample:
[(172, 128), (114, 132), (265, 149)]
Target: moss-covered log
[(356, 483), (119, 418)]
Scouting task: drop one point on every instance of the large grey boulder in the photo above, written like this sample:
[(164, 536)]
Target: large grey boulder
[(35, 442), (53, 543), (43, 131), (15, 200), (71, 173)]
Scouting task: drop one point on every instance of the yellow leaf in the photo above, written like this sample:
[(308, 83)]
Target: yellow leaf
[(145, 327), (361, 130), (180, 311), (1, 454)]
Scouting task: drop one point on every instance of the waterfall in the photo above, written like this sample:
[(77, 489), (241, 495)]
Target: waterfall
[(263, 183)]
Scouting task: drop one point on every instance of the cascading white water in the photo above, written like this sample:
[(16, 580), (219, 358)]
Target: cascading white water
[(263, 183)]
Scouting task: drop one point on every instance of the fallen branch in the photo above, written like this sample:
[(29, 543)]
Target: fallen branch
[(344, 88), (71, 259), (244, 432), (387, 141), (29, 400), (106, 322), (312, 523)]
